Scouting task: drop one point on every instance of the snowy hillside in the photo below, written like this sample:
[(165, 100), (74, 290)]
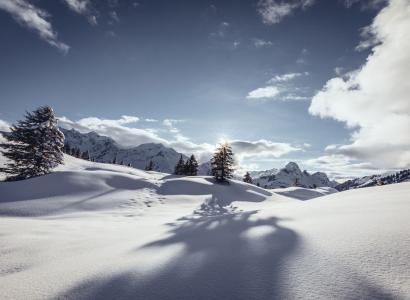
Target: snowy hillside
[(105, 149), (373, 180), (102, 231), (290, 175)]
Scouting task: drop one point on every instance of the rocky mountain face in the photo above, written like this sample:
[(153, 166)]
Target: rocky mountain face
[(105, 149), (290, 175)]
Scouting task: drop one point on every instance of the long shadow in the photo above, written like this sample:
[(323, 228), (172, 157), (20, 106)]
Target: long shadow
[(222, 259)]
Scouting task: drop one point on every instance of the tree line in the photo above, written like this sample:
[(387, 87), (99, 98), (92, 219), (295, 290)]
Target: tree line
[(35, 146)]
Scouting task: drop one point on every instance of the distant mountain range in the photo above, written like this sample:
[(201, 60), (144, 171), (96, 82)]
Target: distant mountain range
[(380, 179), (105, 149), (290, 175)]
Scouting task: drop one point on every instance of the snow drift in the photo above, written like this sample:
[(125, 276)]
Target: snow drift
[(99, 231)]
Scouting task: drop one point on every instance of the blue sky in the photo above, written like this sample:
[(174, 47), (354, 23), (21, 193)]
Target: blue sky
[(190, 73)]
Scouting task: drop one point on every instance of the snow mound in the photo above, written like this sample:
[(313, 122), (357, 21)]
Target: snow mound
[(303, 193), (100, 231)]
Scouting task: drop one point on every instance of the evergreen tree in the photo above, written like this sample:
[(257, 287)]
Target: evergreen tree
[(222, 162), (67, 149), (34, 145), (192, 166), (77, 153), (247, 178), (180, 166), (85, 155), (114, 161), (150, 166)]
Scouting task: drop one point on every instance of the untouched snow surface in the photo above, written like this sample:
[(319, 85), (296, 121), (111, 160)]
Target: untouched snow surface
[(99, 231), (301, 193)]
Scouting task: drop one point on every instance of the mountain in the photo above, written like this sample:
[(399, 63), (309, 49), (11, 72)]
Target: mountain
[(105, 149), (290, 175), (373, 180)]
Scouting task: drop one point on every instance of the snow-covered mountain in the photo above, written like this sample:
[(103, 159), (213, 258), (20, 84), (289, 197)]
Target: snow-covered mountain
[(373, 180), (105, 149), (290, 175)]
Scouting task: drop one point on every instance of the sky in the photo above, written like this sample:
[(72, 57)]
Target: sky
[(323, 83)]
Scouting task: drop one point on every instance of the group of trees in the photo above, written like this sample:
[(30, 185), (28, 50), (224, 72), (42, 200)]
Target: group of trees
[(188, 167), (35, 145), (76, 152)]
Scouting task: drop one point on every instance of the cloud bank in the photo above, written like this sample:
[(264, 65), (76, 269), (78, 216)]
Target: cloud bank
[(375, 99), (273, 11)]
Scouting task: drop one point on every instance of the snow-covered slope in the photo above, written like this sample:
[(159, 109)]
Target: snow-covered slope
[(102, 231), (105, 149), (304, 193), (373, 180), (290, 175)]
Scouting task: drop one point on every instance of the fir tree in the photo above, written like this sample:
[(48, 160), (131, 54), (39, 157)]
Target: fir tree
[(150, 166), (85, 155), (222, 163), (247, 178), (114, 161), (192, 166), (67, 149), (34, 145), (180, 166), (77, 153)]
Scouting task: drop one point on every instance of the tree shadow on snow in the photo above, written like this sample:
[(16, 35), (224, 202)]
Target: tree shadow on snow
[(221, 259)]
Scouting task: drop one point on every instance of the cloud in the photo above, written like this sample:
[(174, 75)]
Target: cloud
[(273, 11), (286, 77), (261, 147), (259, 43), (83, 7), (263, 93), (4, 126), (279, 88), (221, 31), (35, 19), (341, 167), (150, 120), (374, 100), (114, 16)]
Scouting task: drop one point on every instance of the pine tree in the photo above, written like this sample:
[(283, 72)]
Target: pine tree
[(114, 161), (85, 155), (247, 178), (77, 153), (150, 166), (67, 149), (34, 145), (222, 162), (180, 166), (191, 168)]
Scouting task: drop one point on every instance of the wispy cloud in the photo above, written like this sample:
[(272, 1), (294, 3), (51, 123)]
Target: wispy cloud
[(259, 43), (279, 88), (273, 11), (83, 7), (35, 19)]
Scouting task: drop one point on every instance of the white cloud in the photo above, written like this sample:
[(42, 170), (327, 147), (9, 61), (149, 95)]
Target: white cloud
[(374, 100), (150, 120), (221, 31), (273, 11), (287, 77), (261, 147), (341, 167), (114, 16), (35, 19), (83, 7), (264, 93), (4, 126), (259, 43), (279, 88)]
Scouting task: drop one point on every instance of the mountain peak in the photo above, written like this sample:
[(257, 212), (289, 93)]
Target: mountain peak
[(292, 166)]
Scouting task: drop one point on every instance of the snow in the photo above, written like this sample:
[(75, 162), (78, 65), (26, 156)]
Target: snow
[(101, 231), (304, 193)]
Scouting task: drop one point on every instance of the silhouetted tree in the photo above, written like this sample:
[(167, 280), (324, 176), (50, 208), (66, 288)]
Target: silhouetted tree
[(150, 166), (34, 145), (180, 166), (222, 162), (191, 167), (247, 178)]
